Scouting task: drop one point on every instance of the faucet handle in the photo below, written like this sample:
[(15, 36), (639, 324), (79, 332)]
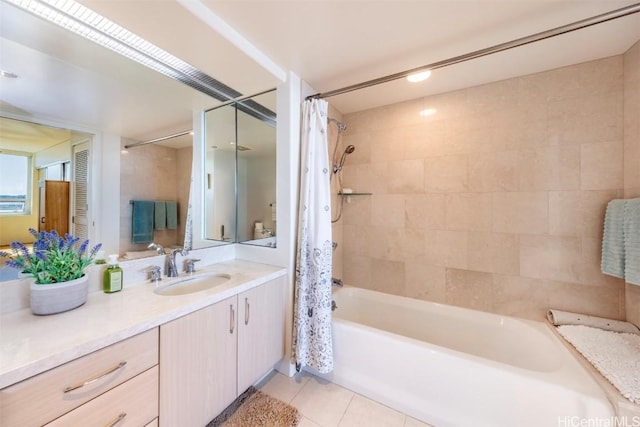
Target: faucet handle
[(155, 273), (189, 265)]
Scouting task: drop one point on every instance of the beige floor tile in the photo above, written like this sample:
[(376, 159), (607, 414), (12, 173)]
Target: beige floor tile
[(306, 422), (282, 387), (322, 402), (412, 422), (363, 412)]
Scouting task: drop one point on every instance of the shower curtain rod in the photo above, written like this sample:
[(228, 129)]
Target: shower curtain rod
[(162, 138), (584, 23)]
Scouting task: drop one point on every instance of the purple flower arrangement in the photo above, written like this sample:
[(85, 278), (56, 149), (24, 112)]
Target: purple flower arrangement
[(54, 258)]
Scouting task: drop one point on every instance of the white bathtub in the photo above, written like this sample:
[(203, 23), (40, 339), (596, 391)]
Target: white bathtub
[(450, 366)]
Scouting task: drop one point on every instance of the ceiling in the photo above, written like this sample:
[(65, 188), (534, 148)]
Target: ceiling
[(328, 44), (332, 44), (17, 135)]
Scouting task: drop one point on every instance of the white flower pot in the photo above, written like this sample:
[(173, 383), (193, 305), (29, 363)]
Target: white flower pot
[(58, 297)]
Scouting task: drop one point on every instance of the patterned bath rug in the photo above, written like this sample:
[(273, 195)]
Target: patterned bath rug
[(254, 408)]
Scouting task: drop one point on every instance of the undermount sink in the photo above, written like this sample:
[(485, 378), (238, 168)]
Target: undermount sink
[(190, 284)]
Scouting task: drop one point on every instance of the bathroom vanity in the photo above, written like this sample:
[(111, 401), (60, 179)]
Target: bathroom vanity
[(149, 359)]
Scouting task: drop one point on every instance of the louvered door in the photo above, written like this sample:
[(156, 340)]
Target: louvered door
[(80, 223)]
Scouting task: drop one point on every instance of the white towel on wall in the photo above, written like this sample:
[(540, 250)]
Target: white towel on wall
[(621, 240), (632, 241), (613, 259)]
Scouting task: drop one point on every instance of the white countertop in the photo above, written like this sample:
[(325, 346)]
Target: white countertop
[(32, 344)]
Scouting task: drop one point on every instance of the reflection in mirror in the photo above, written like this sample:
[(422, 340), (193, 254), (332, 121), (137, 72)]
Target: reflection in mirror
[(117, 99), (158, 172), (44, 183), (220, 173), (256, 150), (240, 171)]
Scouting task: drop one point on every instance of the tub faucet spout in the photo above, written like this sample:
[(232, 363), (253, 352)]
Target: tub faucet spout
[(337, 282)]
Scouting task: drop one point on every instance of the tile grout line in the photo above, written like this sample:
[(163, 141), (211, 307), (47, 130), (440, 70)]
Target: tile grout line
[(301, 388), (353, 394)]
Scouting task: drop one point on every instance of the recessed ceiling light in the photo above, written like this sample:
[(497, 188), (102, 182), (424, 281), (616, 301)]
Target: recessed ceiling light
[(232, 143), (428, 112), (418, 77), (8, 74)]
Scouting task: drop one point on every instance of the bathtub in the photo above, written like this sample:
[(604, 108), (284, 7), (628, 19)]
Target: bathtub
[(450, 366)]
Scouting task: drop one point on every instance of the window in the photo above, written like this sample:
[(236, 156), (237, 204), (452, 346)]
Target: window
[(15, 183)]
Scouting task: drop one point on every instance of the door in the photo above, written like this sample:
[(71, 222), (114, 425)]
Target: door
[(80, 178), (56, 206)]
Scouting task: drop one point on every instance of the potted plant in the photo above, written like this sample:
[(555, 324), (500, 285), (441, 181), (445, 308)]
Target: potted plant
[(57, 263)]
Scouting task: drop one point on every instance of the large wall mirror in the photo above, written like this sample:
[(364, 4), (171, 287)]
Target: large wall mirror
[(240, 172), (44, 175), (69, 82)]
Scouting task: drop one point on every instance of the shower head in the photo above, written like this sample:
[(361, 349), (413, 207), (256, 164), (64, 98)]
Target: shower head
[(341, 126), (350, 149)]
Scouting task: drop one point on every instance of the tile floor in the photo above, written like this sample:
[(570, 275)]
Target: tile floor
[(324, 404)]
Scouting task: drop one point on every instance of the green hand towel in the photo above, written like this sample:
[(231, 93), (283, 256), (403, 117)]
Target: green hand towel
[(142, 221), (160, 215), (172, 215)]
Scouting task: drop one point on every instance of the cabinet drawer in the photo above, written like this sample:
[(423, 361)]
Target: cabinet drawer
[(131, 404), (42, 398)]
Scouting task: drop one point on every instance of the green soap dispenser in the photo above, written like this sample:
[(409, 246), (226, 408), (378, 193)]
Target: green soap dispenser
[(112, 279)]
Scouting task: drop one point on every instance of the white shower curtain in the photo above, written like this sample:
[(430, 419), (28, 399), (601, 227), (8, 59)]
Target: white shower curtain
[(312, 344)]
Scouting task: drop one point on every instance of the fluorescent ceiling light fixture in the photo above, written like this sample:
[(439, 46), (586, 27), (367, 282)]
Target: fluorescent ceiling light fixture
[(86, 23), (428, 112), (418, 77)]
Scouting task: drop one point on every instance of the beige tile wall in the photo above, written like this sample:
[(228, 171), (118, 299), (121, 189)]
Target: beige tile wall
[(336, 229), (632, 154), (497, 201), (147, 172)]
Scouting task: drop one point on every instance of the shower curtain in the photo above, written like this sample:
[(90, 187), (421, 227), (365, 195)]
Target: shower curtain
[(312, 344)]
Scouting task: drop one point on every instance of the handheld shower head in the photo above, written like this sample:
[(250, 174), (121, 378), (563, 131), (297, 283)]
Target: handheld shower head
[(350, 149)]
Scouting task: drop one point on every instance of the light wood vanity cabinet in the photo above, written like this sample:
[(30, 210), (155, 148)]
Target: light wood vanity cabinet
[(92, 390), (198, 365), (261, 324), (209, 357)]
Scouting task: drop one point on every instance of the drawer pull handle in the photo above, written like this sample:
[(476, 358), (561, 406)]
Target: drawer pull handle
[(96, 378), (246, 311), (232, 318), (117, 420)]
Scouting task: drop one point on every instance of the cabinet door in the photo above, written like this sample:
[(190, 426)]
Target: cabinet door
[(198, 365), (261, 324)]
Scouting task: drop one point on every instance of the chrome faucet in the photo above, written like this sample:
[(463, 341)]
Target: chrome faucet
[(172, 269), (190, 266), (159, 248), (337, 282), (155, 274)]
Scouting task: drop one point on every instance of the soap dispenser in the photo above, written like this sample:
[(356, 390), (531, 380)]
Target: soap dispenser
[(112, 279)]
